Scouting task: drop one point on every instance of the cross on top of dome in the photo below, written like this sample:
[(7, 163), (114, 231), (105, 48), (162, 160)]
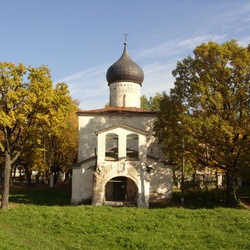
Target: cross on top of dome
[(125, 38)]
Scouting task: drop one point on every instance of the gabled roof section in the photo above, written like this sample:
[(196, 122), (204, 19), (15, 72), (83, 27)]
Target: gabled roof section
[(122, 126), (78, 164), (116, 110)]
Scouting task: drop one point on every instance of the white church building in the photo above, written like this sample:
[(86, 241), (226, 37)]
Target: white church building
[(119, 159)]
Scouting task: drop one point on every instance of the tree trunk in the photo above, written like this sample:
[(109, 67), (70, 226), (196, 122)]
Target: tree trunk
[(6, 182), (28, 175), (231, 194)]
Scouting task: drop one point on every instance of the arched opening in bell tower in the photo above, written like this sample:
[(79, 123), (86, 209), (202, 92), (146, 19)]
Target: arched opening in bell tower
[(132, 147), (111, 147)]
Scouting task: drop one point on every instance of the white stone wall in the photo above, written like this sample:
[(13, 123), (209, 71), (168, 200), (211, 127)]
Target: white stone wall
[(125, 94), (82, 182), (122, 144), (156, 185), (133, 170), (161, 181), (90, 124)]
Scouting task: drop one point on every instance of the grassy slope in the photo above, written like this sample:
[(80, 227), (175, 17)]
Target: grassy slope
[(43, 222)]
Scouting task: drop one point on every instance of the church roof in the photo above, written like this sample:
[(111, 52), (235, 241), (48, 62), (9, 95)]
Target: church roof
[(123, 126), (116, 110), (125, 69)]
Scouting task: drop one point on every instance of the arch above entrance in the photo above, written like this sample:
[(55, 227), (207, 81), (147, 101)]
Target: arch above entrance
[(136, 184), (121, 189)]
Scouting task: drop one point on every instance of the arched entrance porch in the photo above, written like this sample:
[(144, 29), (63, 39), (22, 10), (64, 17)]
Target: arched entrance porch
[(121, 190)]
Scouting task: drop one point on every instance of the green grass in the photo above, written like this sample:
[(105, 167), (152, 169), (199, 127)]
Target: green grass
[(41, 218)]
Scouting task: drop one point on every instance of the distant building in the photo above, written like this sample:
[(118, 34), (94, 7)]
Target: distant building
[(119, 159)]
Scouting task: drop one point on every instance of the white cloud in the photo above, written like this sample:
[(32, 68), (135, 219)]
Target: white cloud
[(90, 72), (191, 43), (89, 87), (176, 47), (244, 41), (158, 73), (158, 78)]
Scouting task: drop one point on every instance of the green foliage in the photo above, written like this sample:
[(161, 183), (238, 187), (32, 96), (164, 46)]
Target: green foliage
[(211, 98), (86, 227), (167, 130), (153, 103), (30, 110)]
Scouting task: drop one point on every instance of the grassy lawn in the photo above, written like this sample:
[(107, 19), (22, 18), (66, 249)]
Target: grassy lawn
[(41, 218)]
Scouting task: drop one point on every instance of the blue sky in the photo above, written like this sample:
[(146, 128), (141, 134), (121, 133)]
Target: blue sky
[(79, 39)]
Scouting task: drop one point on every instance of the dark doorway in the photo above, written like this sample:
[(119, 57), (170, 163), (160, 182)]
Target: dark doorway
[(121, 189)]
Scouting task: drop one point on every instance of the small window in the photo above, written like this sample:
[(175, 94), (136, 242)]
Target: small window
[(111, 147), (132, 147)]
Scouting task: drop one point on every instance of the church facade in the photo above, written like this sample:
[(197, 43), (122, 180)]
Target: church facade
[(119, 160)]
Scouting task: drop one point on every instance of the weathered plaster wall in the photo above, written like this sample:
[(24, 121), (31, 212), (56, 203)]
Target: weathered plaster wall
[(88, 125), (122, 144), (134, 170), (156, 185), (125, 94), (161, 181), (108, 170), (82, 182)]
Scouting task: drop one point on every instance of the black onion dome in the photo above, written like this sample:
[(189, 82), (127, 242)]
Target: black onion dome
[(125, 69)]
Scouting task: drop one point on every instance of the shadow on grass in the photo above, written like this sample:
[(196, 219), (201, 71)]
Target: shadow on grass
[(208, 199), (60, 195), (203, 199), (42, 195)]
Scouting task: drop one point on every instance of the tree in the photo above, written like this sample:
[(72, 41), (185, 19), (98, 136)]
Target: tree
[(61, 147), (212, 90), (52, 149), (28, 103), (152, 103)]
